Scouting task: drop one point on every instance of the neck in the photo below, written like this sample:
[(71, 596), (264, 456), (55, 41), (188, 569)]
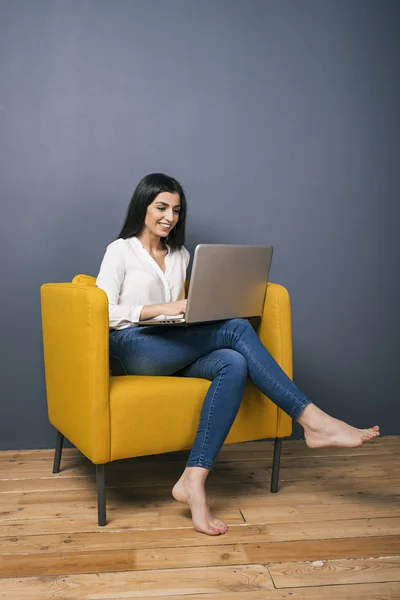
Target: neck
[(150, 241)]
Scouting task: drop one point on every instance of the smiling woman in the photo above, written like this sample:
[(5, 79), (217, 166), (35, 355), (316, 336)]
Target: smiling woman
[(157, 198), (163, 213), (143, 273)]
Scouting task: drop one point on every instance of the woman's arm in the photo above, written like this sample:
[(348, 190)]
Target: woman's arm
[(169, 309), (109, 279)]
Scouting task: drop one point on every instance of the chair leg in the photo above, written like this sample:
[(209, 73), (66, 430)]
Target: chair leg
[(101, 495), (275, 465), (58, 452)]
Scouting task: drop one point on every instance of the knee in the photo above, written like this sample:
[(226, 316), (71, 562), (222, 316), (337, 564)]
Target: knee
[(236, 362), (239, 325)]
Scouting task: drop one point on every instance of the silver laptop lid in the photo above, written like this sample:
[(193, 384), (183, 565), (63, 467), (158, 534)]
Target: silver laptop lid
[(228, 281)]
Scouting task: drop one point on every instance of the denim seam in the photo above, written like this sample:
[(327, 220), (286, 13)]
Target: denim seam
[(300, 408), (209, 416), (120, 362), (199, 463), (262, 369)]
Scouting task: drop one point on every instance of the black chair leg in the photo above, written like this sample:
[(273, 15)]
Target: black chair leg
[(58, 452), (275, 465), (101, 495)]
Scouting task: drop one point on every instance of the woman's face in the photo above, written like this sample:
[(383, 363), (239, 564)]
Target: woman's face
[(163, 213)]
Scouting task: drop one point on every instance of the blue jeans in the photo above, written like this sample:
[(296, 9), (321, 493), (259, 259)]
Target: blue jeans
[(226, 353)]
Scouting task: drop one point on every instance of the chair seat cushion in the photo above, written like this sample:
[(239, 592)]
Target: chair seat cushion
[(152, 415)]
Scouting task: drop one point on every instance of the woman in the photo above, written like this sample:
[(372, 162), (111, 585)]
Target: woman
[(143, 273)]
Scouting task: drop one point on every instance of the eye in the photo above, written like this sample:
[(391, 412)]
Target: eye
[(161, 208)]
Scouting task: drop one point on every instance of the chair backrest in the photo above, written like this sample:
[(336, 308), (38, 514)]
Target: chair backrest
[(82, 279)]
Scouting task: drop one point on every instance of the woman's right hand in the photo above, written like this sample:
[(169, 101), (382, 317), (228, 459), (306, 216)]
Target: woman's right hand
[(168, 309), (171, 309)]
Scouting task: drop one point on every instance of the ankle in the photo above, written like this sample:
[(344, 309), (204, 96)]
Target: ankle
[(311, 417), (195, 475)]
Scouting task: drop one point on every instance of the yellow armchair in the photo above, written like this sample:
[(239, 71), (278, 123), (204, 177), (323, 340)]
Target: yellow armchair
[(109, 418)]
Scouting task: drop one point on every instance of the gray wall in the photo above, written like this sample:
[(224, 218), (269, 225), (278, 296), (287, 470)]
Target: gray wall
[(281, 120)]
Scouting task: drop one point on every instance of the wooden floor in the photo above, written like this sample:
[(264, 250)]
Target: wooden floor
[(331, 533)]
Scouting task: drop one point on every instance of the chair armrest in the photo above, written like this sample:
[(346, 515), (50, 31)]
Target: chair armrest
[(75, 343), (275, 328), (275, 332)]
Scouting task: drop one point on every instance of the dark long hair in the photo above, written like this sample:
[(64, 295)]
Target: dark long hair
[(146, 191)]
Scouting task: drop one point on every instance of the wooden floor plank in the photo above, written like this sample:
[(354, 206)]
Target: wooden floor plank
[(243, 478), (121, 560), (123, 518), (65, 562), (126, 500), (381, 591), (372, 591), (159, 538), (168, 514), (76, 504), (302, 574), (361, 497), (41, 454), (290, 496), (295, 492), (138, 584), (263, 514), (165, 514), (121, 587), (298, 467), (267, 552)]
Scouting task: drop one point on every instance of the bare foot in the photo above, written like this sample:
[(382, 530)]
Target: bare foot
[(321, 430), (190, 490)]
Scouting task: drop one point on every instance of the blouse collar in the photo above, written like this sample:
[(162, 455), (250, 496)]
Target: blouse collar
[(139, 243)]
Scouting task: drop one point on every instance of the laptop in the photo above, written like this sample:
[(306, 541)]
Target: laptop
[(227, 282)]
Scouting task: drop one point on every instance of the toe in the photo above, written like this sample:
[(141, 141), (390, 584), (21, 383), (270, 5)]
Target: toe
[(369, 435), (220, 525), (224, 529), (208, 530)]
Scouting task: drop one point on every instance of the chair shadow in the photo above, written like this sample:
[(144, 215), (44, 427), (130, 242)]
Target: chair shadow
[(133, 483)]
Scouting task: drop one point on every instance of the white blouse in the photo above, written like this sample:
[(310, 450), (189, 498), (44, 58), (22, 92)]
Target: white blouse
[(132, 279)]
